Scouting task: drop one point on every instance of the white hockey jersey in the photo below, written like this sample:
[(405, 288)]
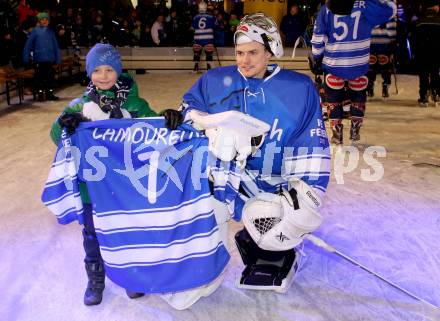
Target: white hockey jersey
[(152, 203), (344, 41)]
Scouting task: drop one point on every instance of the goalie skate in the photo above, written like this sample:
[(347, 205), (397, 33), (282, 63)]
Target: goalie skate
[(264, 276), (261, 271)]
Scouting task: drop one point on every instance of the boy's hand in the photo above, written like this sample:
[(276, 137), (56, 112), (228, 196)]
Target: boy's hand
[(71, 121), (173, 118)]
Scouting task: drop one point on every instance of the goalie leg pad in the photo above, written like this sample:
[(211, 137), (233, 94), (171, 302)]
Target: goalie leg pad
[(265, 270)]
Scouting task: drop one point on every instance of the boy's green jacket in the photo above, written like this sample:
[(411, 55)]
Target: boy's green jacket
[(135, 105)]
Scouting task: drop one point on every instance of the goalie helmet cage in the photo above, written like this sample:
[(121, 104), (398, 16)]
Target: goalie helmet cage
[(322, 244)]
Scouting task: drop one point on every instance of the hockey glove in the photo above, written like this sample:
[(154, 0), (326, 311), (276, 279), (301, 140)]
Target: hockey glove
[(116, 113), (315, 65), (71, 121), (173, 118)]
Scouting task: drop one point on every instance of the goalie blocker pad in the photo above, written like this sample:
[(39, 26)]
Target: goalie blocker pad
[(265, 270)]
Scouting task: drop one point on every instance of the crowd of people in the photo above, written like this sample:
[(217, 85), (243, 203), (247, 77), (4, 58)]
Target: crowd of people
[(144, 26), (83, 24)]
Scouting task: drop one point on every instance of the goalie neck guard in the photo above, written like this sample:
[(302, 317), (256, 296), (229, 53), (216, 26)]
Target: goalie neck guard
[(262, 29)]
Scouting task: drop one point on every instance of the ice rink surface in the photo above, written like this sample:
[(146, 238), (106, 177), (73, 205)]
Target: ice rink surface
[(389, 222)]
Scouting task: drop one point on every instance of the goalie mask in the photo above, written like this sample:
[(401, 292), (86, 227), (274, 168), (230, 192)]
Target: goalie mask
[(261, 28), (278, 222), (340, 7)]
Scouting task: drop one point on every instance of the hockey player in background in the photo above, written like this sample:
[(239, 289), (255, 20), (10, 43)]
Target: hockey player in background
[(427, 52), (290, 170), (203, 25), (341, 49), (383, 40)]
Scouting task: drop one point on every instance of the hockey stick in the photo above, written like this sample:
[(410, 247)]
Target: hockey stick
[(218, 57), (322, 244), (297, 42), (395, 76)]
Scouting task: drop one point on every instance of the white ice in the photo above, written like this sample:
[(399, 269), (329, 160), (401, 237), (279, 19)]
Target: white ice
[(391, 225)]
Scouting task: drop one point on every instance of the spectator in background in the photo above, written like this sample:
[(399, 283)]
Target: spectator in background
[(80, 34), (220, 29), (124, 36), (292, 25), (43, 45), (157, 31), (146, 40), (136, 33), (24, 11), (427, 52), (7, 48), (233, 23), (69, 18), (62, 37), (172, 28), (21, 38), (97, 30)]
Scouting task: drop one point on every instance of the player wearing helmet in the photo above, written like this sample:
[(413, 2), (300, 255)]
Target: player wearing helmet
[(292, 164), (203, 25), (341, 50)]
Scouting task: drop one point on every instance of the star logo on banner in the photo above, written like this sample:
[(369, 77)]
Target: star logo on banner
[(159, 161)]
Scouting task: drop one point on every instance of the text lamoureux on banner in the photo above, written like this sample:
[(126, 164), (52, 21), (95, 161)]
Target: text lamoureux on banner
[(152, 201)]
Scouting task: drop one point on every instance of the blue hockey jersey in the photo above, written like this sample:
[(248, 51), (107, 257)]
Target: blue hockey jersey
[(297, 144), (152, 204), (383, 36), (344, 41), (203, 25)]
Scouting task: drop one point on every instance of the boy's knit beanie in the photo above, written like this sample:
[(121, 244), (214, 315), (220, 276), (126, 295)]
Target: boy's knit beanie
[(103, 54), (42, 15)]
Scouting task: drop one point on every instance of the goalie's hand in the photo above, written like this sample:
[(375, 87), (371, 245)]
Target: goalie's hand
[(71, 121), (173, 118)]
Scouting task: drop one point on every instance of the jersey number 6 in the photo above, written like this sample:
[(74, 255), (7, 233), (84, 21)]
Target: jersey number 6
[(202, 23)]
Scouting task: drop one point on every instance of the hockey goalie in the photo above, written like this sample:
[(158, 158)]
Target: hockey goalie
[(286, 171)]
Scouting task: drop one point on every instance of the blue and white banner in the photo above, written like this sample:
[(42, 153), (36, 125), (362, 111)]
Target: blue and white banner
[(152, 202)]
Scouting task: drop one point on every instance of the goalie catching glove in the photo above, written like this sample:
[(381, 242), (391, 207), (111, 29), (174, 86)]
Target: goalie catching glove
[(279, 222), (231, 134)]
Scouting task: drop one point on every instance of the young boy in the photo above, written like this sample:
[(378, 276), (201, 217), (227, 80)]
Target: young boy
[(43, 45), (110, 94)]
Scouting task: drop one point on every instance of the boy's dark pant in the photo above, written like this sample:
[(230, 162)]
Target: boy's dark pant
[(90, 241), (44, 76)]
